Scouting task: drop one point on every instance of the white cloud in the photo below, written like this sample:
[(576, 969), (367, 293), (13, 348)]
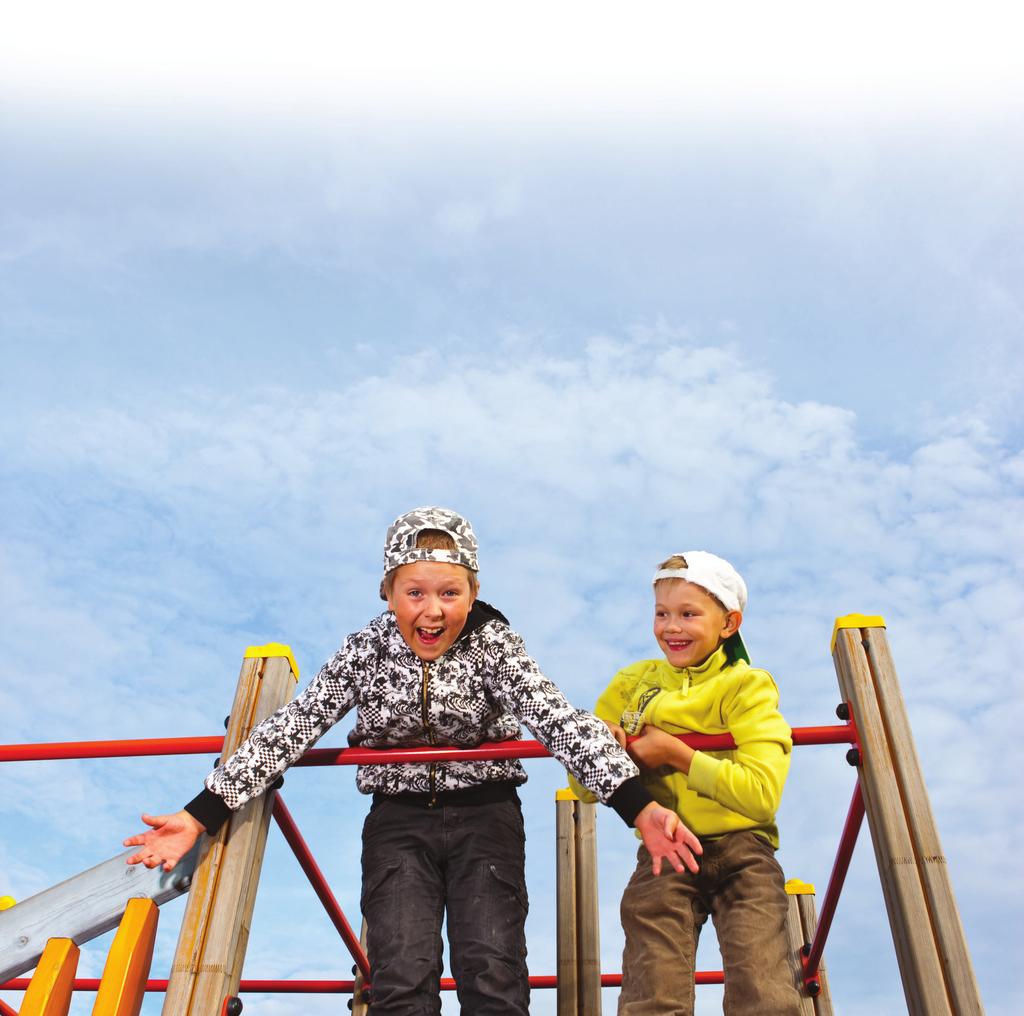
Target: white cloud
[(158, 537)]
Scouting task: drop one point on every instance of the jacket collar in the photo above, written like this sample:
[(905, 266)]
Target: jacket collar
[(711, 667), (480, 613)]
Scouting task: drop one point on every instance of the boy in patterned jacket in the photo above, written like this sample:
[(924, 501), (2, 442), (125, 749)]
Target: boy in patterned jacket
[(441, 667), (705, 685)]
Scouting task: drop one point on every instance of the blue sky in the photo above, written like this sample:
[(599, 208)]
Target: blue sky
[(612, 287)]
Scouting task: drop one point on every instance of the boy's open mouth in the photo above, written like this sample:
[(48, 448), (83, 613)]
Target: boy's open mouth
[(428, 636), (676, 645)]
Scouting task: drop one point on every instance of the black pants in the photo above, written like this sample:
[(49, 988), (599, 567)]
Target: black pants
[(468, 860)]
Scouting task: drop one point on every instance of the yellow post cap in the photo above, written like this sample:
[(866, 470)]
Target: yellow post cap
[(855, 621), (794, 887), (565, 794), (271, 650), (6, 902)]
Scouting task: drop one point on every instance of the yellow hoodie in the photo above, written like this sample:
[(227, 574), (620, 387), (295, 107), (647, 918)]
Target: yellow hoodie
[(725, 791)]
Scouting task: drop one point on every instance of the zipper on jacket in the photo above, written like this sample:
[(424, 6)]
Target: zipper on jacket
[(425, 706)]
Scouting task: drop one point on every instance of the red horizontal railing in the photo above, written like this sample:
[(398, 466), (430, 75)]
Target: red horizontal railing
[(323, 987), (836, 734), (522, 749), (111, 749)]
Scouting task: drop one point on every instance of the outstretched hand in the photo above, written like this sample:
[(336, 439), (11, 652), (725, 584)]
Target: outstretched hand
[(167, 842), (665, 836)]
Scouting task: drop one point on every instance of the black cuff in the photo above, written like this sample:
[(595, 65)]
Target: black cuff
[(209, 809), (630, 798)]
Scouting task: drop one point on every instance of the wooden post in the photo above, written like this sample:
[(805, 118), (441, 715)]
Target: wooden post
[(797, 940), (588, 935), (565, 873), (934, 961), (359, 1007), (801, 925), (950, 940), (215, 930), (579, 938)]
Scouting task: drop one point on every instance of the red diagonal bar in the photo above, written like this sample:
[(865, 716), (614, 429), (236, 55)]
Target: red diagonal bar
[(284, 819), (848, 840)]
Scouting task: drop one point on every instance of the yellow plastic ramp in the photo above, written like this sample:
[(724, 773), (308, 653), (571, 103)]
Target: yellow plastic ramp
[(49, 992), (123, 985)]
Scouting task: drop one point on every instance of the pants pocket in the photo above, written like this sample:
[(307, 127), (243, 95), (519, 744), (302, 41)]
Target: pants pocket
[(379, 883), (511, 884)]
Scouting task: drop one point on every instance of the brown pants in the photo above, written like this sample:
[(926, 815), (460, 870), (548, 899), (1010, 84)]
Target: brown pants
[(740, 884)]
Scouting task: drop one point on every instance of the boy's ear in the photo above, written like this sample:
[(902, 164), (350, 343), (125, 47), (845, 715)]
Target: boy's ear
[(733, 620)]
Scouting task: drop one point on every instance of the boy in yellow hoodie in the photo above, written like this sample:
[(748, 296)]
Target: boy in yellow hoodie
[(705, 685)]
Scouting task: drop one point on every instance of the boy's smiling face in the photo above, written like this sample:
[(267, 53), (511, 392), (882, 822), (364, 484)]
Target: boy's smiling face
[(431, 601), (689, 624)]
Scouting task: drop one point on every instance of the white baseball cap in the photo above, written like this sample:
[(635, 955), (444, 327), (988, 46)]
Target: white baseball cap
[(715, 575)]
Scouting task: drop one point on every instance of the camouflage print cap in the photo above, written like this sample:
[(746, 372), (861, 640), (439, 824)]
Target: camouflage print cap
[(400, 543)]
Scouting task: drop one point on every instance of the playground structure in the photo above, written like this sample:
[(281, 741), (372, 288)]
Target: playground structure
[(221, 875)]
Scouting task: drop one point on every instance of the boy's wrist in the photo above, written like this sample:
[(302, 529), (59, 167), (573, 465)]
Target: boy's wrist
[(629, 799), (208, 810), (703, 773), (682, 756)]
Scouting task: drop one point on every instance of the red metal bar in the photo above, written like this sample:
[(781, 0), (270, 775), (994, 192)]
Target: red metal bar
[(842, 733), (615, 980), (6, 1010), (79, 984), (291, 986), (111, 749), (297, 986), (848, 840), (284, 819), (374, 756), (838, 734)]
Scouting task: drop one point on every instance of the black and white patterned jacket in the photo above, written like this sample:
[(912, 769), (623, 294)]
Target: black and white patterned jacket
[(479, 690)]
